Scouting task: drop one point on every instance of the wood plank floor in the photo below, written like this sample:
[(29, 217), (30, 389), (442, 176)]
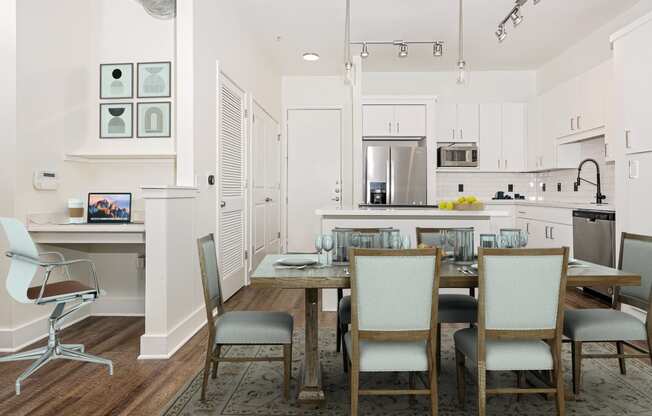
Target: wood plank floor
[(137, 387)]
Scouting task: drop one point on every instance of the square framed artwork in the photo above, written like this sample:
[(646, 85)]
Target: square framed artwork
[(154, 119), (154, 79), (116, 81), (116, 121)]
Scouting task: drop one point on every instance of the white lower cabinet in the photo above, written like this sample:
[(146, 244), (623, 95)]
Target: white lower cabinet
[(543, 234)]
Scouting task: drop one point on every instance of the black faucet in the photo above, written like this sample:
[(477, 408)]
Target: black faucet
[(598, 196)]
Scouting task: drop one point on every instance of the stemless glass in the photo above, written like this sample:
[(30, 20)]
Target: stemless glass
[(319, 246), (328, 246), (395, 242), (488, 241), (406, 243)]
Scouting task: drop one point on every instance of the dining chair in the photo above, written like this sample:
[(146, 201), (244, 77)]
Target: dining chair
[(26, 261), (517, 330), (583, 326), (393, 326), (239, 328), (453, 308)]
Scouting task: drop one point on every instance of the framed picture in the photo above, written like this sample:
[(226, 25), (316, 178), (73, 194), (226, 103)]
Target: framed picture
[(154, 79), (154, 119), (116, 81), (116, 121)]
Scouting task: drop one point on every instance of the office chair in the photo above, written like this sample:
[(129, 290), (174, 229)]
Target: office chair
[(25, 262)]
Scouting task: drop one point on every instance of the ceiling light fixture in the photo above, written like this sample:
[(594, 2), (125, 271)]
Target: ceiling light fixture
[(348, 62), (365, 51), (310, 56), (403, 50), (461, 63), (515, 16), (438, 49)]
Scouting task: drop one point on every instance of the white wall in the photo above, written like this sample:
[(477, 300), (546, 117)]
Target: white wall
[(588, 52), (484, 86)]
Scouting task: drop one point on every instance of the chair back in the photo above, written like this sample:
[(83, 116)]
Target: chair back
[(394, 291), (636, 257), (522, 292), (210, 277), (433, 237), (21, 272)]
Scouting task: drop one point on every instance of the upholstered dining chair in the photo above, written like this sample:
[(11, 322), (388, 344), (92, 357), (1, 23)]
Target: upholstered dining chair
[(239, 327), (453, 308), (394, 321), (26, 261), (516, 331), (613, 325)]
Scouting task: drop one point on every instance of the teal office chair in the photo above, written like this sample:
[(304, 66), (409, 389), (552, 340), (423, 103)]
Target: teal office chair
[(26, 261)]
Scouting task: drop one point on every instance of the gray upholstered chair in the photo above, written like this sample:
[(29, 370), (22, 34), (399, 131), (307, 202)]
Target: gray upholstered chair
[(613, 325), (516, 331), (239, 328), (453, 308), (393, 326), (26, 261)]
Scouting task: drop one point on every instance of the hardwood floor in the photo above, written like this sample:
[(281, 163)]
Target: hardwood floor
[(137, 387)]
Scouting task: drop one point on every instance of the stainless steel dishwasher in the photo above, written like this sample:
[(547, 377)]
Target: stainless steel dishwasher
[(594, 240)]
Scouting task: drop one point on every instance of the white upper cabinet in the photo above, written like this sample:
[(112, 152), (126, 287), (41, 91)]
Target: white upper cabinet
[(632, 69), (394, 120), (502, 137), (591, 103), (458, 122), (514, 136)]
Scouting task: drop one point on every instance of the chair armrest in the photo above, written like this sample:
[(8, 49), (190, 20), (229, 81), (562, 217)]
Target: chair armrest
[(59, 256)]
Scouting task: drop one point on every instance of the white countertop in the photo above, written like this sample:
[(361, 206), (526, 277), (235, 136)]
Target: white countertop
[(408, 212), (86, 228), (552, 204)]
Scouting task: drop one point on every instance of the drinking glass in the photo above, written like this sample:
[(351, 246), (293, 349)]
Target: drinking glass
[(406, 243), (328, 246), (395, 243), (512, 238), (319, 246), (488, 241)]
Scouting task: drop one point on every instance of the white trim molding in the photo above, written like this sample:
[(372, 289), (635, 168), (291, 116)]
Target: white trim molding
[(163, 346)]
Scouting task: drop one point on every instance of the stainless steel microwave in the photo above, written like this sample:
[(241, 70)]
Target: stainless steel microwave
[(457, 155)]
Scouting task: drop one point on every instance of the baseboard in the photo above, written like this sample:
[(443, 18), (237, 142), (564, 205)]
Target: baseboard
[(15, 339), (162, 347), (113, 306)]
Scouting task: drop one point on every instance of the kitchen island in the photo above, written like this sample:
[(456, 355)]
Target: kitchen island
[(407, 220)]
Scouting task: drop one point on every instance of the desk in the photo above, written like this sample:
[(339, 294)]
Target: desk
[(314, 279), (87, 233)]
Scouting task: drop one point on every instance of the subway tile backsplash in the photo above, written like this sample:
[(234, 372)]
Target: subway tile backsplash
[(485, 185)]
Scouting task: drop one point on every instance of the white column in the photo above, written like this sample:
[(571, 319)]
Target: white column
[(185, 84), (174, 309)]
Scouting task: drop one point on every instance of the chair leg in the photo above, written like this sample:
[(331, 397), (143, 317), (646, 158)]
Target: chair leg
[(412, 385), (438, 349), (24, 355), (461, 383), (558, 375), (520, 383), (33, 368), (355, 384), (338, 334), (482, 389), (287, 372), (620, 347), (207, 369), (576, 352), (345, 357), (216, 361), (433, 385)]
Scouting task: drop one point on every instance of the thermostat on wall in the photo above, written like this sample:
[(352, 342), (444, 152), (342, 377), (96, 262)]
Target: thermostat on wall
[(46, 180)]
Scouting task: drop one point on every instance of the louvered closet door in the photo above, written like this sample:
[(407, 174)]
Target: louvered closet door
[(231, 194)]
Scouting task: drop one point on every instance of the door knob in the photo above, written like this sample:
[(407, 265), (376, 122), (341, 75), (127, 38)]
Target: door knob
[(336, 199), (268, 199), (222, 204)]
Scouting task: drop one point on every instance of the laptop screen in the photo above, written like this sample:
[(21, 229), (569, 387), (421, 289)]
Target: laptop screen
[(109, 208)]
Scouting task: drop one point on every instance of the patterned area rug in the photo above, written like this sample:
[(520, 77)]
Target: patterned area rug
[(244, 389)]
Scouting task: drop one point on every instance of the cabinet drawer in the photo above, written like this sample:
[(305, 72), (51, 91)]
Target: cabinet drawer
[(546, 214)]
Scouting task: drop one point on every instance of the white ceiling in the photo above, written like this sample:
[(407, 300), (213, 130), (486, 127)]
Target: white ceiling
[(318, 26)]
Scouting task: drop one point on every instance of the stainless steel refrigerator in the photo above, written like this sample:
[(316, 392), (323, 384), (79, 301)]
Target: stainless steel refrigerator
[(395, 175)]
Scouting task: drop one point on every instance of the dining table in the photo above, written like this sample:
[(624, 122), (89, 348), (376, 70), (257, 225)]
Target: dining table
[(270, 274)]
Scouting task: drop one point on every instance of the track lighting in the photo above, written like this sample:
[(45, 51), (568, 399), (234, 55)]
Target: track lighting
[(515, 16), (403, 50), (438, 49), (501, 33), (365, 51)]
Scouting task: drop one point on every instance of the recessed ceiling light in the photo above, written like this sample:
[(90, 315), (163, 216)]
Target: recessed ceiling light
[(310, 56)]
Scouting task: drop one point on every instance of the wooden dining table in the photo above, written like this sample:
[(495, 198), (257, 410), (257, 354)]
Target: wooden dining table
[(312, 279)]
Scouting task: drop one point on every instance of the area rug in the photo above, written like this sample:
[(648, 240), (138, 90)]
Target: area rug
[(243, 389)]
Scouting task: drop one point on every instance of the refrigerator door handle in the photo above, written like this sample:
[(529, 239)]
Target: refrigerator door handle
[(390, 175)]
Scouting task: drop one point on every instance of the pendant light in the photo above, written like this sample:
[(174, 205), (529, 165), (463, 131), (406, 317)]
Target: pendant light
[(462, 69)]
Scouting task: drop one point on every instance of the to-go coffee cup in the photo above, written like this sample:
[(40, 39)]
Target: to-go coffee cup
[(75, 211)]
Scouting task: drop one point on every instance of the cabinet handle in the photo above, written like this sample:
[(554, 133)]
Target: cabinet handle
[(453, 134), (461, 134), (606, 150), (551, 237), (627, 133), (527, 228), (546, 232), (505, 163), (498, 163), (398, 127), (390, 128), (578, 123), (572, 124)]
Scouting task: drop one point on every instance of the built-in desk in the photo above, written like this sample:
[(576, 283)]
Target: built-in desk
[(87, 233)]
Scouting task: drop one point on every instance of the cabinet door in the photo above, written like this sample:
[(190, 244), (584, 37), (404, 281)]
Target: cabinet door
[(446, 123), (468, 122), (560, 235), (550, 121), (593, 88), (534, 230), (568, 107), (634, 59), (378, 120), (410, 120), (514, 136), (533, 142), (490, 146)]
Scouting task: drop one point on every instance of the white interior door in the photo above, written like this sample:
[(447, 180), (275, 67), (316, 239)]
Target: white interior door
[(231, 146), (313, 172), (266, 218)]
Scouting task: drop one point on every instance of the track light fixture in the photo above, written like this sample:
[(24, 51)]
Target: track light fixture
[(515, 16), (403, 51), (403, 46), (437, 49), (365, 51)]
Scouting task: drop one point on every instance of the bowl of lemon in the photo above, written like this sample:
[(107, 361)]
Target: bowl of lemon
[(463, 203)]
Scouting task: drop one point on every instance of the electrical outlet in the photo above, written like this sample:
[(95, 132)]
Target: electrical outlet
[(460, 187), (510, 187), (543, 187), (575, 187)]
